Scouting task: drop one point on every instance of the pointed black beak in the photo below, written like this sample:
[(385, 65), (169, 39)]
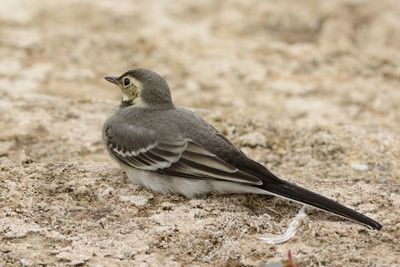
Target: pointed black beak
[(112, 79)]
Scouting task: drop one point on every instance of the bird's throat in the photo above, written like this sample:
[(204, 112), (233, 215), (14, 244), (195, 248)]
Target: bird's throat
[(137, 101)]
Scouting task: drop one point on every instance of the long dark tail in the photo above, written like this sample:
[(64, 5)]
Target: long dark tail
[(304, 196)]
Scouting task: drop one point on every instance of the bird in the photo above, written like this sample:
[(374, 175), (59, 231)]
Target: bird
[(172, 150)]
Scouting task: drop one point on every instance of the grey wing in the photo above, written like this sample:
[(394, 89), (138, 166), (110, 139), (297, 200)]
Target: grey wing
[(179, 156), (140, 148)]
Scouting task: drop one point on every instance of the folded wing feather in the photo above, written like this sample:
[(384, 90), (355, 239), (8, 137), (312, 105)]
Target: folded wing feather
[(178, 158)]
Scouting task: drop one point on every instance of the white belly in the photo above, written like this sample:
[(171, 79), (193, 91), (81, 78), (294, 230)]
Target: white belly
[(185, 186)]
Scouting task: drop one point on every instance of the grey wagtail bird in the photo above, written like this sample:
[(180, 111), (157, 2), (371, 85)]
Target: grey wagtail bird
[(170, 149)]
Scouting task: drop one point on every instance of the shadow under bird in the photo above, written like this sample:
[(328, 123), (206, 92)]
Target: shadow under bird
[(170, 149)]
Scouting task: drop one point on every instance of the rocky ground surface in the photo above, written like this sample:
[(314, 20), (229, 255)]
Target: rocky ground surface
[(310, 89)]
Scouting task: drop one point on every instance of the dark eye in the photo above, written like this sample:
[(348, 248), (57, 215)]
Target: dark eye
[(126, 82)]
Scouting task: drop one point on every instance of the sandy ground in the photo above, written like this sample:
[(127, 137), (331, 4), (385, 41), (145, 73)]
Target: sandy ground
[(308, 88)]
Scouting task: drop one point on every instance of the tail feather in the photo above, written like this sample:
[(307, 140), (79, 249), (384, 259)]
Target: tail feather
[(304, 196)]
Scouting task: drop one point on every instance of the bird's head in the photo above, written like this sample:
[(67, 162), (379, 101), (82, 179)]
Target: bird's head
[(143, 87)]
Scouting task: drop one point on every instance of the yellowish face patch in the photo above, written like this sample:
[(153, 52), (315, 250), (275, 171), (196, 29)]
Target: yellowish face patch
[(131, 89)]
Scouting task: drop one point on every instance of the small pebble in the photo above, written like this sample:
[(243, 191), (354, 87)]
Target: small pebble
[(138, 201), (359, 166), (25, 262)]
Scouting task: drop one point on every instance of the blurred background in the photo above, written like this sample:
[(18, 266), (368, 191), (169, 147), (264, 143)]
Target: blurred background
[(308, 60), (309, 88)]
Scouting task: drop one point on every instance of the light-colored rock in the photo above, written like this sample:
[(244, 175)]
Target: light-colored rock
[(253, 139), (25, 262), (138, 201), (359, 166)]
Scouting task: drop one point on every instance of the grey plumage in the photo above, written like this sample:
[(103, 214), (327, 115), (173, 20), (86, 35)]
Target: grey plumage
[(156, 91), (174, 150)]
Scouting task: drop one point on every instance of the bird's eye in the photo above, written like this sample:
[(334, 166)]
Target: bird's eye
[(126, 82)]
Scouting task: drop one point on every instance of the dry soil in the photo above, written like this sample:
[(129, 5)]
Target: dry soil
[(310, 89)]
